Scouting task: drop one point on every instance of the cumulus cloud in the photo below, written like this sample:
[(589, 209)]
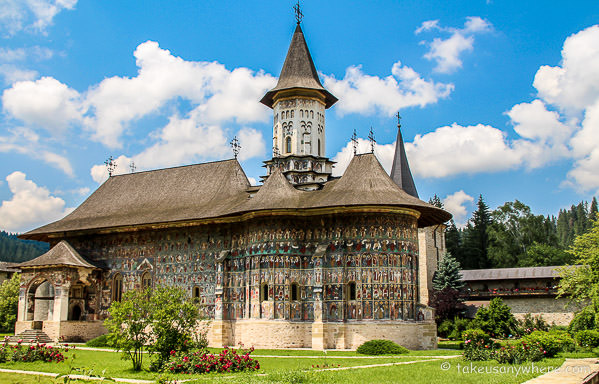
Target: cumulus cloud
[(45, 103), (35, 15), (367, 94), (30, 205), (447, 52), (456, 205), (219, 95)]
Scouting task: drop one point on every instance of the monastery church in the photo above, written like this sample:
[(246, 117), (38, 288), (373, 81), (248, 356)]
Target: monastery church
[(304, 260)]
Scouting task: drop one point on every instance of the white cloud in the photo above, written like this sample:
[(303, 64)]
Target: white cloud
[(26, 142), (13, 73), (45, 103), (367, 94), (447, 52), (29, 206), (99, 172), (36, 15), (456, 205), (219, 95)]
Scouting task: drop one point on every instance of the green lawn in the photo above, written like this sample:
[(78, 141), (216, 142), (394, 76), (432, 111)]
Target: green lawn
[(301, 370)]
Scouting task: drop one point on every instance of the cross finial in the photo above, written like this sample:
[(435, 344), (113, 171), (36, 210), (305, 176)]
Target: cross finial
[(110, 165), (354, 140), (132, 166), (398, 120), (235, 146), (298, 12), (372, 140)]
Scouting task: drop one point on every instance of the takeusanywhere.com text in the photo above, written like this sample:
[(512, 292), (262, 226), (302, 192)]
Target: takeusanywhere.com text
[(514, 369)]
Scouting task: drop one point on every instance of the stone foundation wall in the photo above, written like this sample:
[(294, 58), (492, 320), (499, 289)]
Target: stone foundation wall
[(285, 334), (66, 330), (553, 310)]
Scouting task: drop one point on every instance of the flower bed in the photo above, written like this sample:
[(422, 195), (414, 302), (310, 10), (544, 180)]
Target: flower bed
[(229, 360), (33, 352)]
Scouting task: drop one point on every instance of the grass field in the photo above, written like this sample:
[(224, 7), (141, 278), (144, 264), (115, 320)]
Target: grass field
[(306, 368)]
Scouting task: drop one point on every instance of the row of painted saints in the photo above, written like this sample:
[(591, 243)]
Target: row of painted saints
[(377, 253)]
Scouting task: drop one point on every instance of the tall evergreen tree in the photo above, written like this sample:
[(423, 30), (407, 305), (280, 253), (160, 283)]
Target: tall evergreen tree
[(453, 241), (448, 274), (476, 238), (593, 211)]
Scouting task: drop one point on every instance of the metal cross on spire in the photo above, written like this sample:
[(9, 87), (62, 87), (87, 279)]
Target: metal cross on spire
[(372, 140), (110, 166), (235, 146), (132, 166), (298, 12), (398, 120), (354, 140)]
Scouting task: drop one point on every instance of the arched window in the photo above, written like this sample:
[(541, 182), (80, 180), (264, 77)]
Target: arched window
[(146, 280), (351, 290), (286, 114), (264, 292), (294, 291), (292, 113), (301, 113), (318, 147), (312, 114), (288, 145), (117, 287), (195, 294)]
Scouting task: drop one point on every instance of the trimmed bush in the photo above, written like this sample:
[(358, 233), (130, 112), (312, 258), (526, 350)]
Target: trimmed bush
[(496, 319), (551, 342), (588, 338), (381, 347), (100, 341)]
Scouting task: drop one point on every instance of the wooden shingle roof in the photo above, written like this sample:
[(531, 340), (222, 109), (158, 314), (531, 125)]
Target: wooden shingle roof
[(298, 71), (220, 189), (61, 254)]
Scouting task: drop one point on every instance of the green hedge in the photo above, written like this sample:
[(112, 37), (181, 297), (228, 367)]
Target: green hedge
[(588, 338), (381, 347), (552, 342)]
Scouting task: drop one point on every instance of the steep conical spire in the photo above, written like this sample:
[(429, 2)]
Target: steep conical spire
[(298, 71), (400, 172)]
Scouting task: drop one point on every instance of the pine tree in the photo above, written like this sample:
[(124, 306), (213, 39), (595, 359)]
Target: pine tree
[(476, 238), (453, 241), (593, 211), (436, 201), (448, 274)]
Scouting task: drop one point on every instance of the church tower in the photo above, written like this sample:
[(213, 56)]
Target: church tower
[(299, 102)]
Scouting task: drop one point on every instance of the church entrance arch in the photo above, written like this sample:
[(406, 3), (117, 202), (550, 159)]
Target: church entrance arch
[(40, 303), (76, 313)]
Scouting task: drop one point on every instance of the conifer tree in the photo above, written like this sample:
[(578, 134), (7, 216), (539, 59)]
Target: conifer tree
[(453, 241), (593, 211), (476, 238), (448, 274)]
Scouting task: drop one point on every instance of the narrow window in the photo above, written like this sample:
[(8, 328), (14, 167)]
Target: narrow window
[(288, 145), (294, 291), (312, 114), (351, 290), (292, 113), (196, 294), (146, 280), (117, 287), (318, 147), (264, 292)]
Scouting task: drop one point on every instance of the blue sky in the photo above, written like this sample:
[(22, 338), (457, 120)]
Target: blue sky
[(499, 98)]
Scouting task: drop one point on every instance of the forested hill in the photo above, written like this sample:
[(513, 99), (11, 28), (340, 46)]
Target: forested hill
[(17, 250)]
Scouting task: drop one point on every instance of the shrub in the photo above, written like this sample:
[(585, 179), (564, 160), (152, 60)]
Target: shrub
[(445, 328), (583, 320), (229, 360), (453, 329), (496, 319), (381, 347), (9, 299), (100, 341), (477, 345), (529, 324), (551, 342), (588, 338), (517, 352)]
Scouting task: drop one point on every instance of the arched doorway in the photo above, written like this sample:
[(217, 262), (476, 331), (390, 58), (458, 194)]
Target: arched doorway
[(76, 313), (40, 306)]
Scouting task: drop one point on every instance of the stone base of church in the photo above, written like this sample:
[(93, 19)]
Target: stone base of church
[(317, 335), (74, 331)]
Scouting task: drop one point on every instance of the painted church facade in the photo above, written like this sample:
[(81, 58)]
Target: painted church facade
[(304, 260)]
